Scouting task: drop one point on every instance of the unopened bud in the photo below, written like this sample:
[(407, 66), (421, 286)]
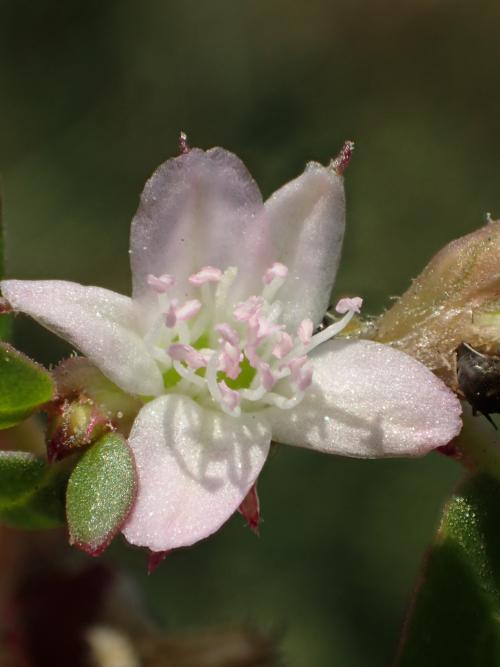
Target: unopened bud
[(456, 299), (73, 424)]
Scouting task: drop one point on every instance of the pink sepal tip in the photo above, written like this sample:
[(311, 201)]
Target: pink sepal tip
[(155, 558), (250, 510)]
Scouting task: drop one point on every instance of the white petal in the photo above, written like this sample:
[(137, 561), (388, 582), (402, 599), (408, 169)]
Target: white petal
[(369, 400), (100, 323), (195, 467), (199, 209), (307, 219)]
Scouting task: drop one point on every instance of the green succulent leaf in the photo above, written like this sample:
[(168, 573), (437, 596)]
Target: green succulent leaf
[(31, 491), (24, 386), (100, 493), (455, 615)]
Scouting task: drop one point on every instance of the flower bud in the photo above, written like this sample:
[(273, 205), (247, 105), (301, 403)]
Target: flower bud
[(73, 424), (456, 299)]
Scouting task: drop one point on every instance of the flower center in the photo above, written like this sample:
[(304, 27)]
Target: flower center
[(238, 357)]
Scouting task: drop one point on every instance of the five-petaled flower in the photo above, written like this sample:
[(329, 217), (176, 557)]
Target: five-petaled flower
[(221, 341)]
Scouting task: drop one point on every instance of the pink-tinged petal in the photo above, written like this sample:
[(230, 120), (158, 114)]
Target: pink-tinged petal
[(195, 467), (307, 219), (98, 322), (201, 209), (369, 400)]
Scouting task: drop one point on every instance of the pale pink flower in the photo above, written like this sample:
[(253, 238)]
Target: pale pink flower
[(223, 282)]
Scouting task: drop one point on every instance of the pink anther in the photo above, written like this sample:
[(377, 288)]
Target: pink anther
[(171, 314), (305, 331), (230, 397), (266, 376), (295, 365), (230, 360), (283, 346), (228, 334), (277, 270), (188, 310), (347, 304), (160, 284), (187, 353), (304, 378), (267, 328), (248, 309), (208, 274)]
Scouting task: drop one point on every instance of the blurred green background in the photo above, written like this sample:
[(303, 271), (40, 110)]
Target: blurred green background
[(92, 97)]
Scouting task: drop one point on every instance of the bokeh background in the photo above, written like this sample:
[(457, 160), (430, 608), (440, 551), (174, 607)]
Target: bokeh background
[(92, 97)]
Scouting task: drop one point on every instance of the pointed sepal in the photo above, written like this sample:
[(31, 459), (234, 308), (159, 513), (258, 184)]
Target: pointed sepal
[(250, 510)]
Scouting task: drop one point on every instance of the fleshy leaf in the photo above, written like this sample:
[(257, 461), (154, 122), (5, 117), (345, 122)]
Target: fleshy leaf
[(454, 616), (24, 386), (31, 491), (100, 494)]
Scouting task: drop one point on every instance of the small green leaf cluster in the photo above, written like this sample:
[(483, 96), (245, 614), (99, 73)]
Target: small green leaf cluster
[(92, 487)]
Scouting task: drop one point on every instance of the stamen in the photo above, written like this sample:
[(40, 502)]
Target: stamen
[(208, 274), (304, 377), (295, 365), (188, 310), (222, 292), (305, 331), (160, 284), (187, 353), (248, 309), (228, 334), (281, 401), (265, 328), (284, 345), (171, 314), (266, 376), (230, 398), (330, 331), (277, 270), (273, 279), (347, 304), (188, 374), (230, 360)]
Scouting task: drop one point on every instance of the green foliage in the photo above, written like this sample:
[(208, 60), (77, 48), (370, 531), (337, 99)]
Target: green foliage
[(100, 493), (31, 491), (454, 619), (24, 386)]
